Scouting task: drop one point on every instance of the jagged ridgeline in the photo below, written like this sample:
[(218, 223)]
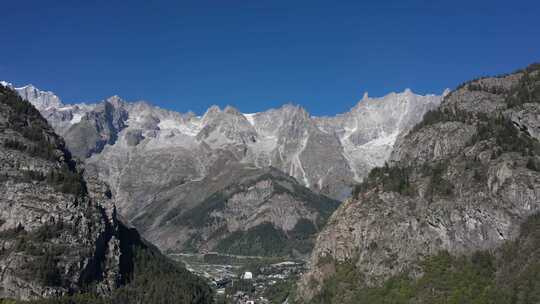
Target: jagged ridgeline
[(212, 182), (60, 238), (453, 216)]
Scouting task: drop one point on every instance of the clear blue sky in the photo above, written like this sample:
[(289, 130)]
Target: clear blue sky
[(187, 55)]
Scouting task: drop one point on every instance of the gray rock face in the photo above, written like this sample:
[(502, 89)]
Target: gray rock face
[(97, 128), (464, 184), (526, 118), (439, 142)]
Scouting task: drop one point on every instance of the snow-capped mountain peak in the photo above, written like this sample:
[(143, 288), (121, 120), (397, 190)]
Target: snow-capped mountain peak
[(6, 84), (42, 100)]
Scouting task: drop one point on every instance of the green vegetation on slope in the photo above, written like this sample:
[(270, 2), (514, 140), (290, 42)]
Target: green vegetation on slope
[(387, 178), (260, 240), (42, 266), (39, 141), (528, 89), (281, 291), (509, 275), (152, 278), (267, 240), (399, 179), (24, 118), (507, 136), (155, 279)]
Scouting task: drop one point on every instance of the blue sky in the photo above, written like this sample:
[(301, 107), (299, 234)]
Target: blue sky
[(187, 55)]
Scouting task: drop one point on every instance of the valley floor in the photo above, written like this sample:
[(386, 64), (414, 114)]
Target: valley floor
[(272, 277)]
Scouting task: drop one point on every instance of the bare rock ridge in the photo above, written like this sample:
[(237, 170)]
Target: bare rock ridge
[(59, 230), (464, 179)]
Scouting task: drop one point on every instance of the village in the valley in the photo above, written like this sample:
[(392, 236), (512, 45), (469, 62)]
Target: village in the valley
[(245, 279)]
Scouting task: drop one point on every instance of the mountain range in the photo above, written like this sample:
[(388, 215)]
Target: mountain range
[(164, 166)]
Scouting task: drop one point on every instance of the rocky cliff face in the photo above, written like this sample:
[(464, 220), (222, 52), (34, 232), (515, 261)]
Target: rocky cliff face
[(59, 230), (462, 180), (53, 236)]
